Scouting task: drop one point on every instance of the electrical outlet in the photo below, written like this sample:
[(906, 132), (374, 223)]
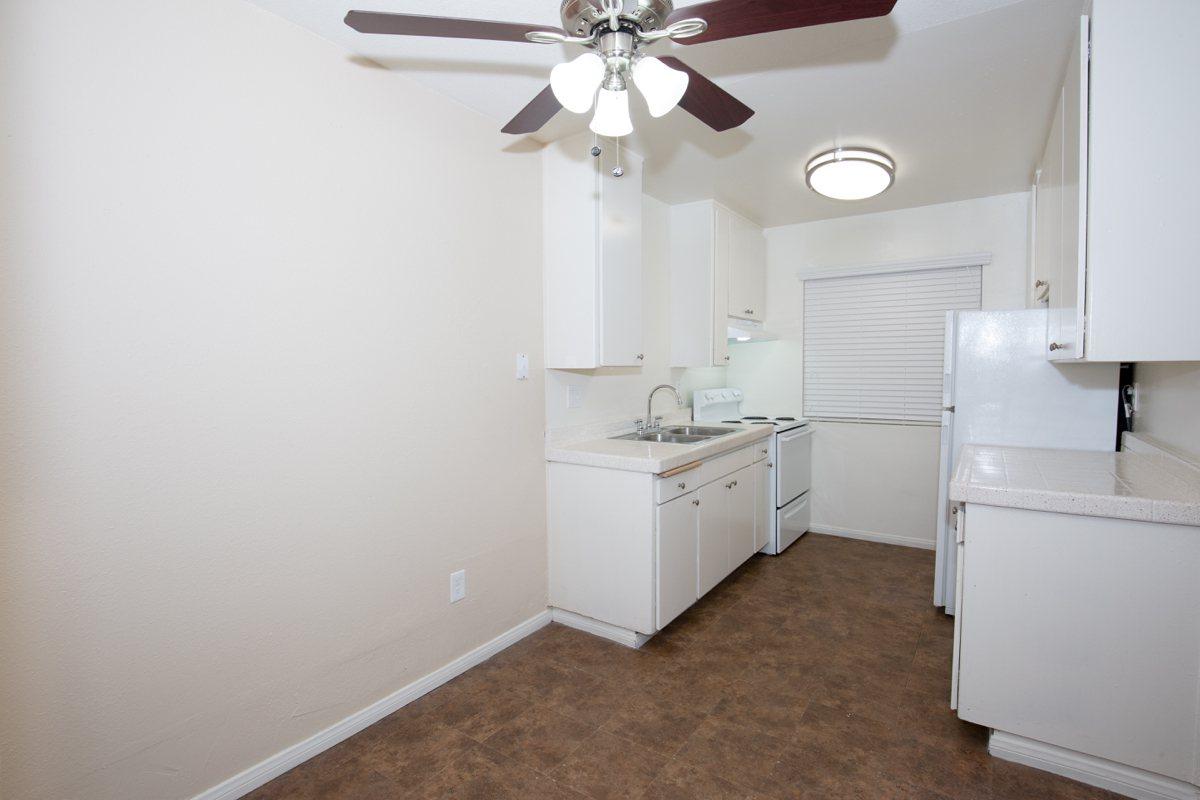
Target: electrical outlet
[(522, 366), (574, 397), (458, 585)]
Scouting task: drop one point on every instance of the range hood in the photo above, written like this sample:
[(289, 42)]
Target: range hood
[(744, 330)]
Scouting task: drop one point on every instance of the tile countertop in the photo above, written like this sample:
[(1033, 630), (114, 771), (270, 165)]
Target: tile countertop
[(1141, 486), (654, 457)]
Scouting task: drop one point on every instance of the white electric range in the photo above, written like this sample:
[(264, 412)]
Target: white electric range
[(790, 461)]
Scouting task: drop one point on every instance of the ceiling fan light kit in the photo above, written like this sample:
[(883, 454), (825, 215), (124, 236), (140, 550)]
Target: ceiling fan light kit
[(850, 173), (612, 114), (616, 30), (575, 83)]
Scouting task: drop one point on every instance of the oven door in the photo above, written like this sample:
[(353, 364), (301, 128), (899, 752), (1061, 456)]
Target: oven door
[(792, 522), (793, 465)]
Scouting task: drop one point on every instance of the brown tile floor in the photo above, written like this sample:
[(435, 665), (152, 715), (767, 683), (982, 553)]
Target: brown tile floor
[(820, 674)]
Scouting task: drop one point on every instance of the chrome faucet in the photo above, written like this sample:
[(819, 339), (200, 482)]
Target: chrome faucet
[(652, 422)]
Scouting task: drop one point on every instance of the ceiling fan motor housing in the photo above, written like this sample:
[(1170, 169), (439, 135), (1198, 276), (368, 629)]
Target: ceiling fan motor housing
[(579, 17)]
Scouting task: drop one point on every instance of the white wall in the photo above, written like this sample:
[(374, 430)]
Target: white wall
[(258, 394), (1169, 404), (615, 393), (879, 479)]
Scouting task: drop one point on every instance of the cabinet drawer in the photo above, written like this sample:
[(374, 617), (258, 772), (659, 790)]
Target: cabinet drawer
[(667, 489), (723, 465)]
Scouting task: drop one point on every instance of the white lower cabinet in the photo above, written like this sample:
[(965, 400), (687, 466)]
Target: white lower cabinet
[(676, 561), (634, 550), (1080, 637), (762, 502), (712, 532)]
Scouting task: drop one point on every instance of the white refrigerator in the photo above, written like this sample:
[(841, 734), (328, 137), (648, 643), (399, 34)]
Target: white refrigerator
[(999, 389)]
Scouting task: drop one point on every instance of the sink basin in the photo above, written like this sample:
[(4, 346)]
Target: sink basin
[(679, 434), (692, 430), (664, 438)]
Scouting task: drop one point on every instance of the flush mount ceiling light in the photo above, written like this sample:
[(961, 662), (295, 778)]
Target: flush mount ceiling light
[(850, 173), (615, 32)]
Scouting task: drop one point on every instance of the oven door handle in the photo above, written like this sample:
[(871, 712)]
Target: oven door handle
[(793, 435)]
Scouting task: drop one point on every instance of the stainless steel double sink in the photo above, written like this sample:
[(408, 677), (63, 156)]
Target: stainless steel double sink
[(679, 434)]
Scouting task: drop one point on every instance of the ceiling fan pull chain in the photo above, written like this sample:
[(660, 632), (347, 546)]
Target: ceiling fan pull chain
[(618, 170)]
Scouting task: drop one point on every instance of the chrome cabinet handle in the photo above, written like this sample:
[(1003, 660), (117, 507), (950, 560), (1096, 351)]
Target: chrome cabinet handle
[(1056, 346), (682, 485), (770, 465), (749, 311), (695, 502), (735, 483), (641, 356), (726, 358), (764, 452)]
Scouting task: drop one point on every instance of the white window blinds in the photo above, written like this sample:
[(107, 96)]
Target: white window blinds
[(873, 344)]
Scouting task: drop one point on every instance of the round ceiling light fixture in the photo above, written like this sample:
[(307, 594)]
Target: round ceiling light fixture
[(850, 173)]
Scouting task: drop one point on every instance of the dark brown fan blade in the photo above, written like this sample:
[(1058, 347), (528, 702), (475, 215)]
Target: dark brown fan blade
[(707, 102), (728, 19), (533, 116), (446, 27)]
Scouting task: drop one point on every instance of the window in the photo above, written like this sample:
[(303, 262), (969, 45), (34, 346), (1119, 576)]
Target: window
[(873, 343)]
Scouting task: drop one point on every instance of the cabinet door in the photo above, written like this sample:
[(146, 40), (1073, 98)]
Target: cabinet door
[(1067, 304), (762, 503), (712, 536), (620, 249), (722, 258), (747, 270), (741, 516), (676, 543), (1050, 220)]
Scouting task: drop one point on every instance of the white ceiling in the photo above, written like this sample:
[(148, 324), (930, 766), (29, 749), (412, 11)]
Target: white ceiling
[(960, 92)]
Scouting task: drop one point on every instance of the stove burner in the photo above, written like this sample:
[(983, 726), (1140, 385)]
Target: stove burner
[(768, 422), (731, 421), (785, 419), (762, 418)]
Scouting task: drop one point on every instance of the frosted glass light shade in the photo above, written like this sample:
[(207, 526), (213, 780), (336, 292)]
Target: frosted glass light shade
[(575, 83), (662, 86), (612, 114), (851, 173)]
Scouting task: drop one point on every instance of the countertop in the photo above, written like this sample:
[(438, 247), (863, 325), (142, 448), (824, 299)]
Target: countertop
[(654, 457), (1147, 486)]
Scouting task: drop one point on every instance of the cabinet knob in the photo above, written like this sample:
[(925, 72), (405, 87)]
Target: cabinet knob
[(641, 356), (770, 465), (726, 358), (695, 502), (765, 451), (749, 310), (1056, 346), (735, 483), (1040, 284), (682, 485)]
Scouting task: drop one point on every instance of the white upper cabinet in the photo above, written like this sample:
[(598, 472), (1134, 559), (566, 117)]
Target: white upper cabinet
[(1115, 232), (592, 255), (747, 269), (718, 271)]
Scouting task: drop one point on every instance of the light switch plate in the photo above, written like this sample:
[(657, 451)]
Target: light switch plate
[(522, 367), (458, 585)]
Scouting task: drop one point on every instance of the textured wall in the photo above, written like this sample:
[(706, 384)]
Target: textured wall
[(259, 307)]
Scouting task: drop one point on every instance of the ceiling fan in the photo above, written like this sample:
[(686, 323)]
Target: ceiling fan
[(615, 32)]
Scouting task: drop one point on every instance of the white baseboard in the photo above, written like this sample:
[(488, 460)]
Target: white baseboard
[(597, 628), (297, 754), (871, 536), (1129, 781)]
